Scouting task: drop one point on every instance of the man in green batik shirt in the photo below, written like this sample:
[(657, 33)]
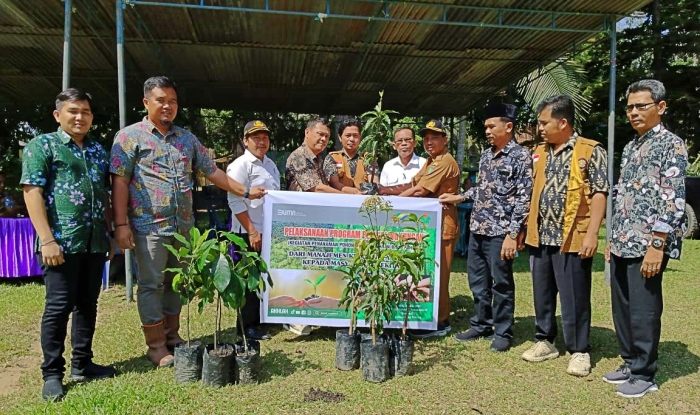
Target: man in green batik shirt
[(66, 189)]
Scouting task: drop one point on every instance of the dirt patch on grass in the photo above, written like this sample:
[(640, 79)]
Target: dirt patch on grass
[(12, 373), (325, 396)]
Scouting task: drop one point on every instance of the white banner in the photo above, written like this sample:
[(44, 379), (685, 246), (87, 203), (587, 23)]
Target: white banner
[(308, 236)]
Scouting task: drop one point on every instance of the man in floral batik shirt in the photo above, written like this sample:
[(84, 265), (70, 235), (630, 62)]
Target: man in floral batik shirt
[(66, 189), (152, 169), (646, 230), (501, 200)]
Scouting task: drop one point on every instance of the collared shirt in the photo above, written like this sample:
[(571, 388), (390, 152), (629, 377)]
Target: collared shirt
[(650, 194), (250, 171), (395, 173), (502, 193), (304, 170), (440, 175), (553, 197), (75, 187), (160, 170)]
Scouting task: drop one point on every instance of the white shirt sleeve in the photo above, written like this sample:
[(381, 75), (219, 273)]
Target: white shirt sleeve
[(384, 177), (238, 171)]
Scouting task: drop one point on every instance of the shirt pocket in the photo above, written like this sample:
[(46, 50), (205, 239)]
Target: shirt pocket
[(505, 183)]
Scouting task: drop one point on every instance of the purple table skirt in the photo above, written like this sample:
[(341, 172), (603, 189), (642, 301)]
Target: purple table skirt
[(17, 257)]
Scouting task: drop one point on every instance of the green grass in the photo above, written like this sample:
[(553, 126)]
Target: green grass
[(451, 378)]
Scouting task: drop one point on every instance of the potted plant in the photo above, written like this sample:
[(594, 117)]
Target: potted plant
[(231, 277), (380, 293), (408, 260), (382, 280), (194, 255), (347, 342)]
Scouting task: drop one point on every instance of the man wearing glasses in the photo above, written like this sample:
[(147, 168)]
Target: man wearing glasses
[(400, 170), (646, 230)]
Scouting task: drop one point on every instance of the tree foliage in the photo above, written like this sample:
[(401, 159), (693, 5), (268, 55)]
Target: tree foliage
[(663, 44)]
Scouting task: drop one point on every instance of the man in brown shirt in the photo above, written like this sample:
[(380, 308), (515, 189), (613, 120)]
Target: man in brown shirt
[(304, 172), (439, 175)]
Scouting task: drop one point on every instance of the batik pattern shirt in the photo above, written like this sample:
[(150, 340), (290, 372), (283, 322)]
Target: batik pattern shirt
[(502, 194), (650, 194), (160, 170), (553, 197), (75, 187), (304, 170), (330, 168)]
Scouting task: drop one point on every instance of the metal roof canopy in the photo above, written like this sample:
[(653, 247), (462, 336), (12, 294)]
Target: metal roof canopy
[(316, 56)]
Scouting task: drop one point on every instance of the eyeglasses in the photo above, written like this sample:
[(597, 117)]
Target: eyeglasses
[(404, 140), (639, 107)]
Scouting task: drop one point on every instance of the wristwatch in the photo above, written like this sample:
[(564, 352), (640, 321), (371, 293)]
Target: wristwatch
[(657, 242), (247, 193), (513, 235)]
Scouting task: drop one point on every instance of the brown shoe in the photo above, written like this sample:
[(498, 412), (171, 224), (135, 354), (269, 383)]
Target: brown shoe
[(171, 326), (158, 354)]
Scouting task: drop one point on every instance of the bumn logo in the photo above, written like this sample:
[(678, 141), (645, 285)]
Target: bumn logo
[(289, 212)]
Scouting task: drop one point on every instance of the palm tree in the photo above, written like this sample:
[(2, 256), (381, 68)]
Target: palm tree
[(559, 77)]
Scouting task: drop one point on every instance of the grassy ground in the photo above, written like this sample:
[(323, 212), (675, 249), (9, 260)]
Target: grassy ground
[(451, 378)]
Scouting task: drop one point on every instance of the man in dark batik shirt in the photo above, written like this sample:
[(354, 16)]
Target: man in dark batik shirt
[(501, 199), (646, 230), (568, 204)]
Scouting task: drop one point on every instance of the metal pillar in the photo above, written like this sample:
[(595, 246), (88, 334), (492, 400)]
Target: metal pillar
[(611, 135), (68, 11), (461, 147), (122, 123)]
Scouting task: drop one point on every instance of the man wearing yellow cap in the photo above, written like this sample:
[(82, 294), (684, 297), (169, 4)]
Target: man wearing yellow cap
[(439, 175), (252, 169)]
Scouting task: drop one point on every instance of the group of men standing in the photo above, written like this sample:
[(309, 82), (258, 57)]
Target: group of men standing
[(553, 201)]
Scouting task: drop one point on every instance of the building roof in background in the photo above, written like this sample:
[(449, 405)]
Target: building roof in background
[(438, 57)]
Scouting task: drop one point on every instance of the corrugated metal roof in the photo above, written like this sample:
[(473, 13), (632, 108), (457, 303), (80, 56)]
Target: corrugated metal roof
[(275, 62)]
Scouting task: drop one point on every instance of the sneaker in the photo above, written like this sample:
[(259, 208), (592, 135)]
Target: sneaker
[(90, 372), (442, 330), (500, 344), (580, 364), (541, 351), (620, 376), (636, 388), (471, 335), (53, 390), (298, 329)]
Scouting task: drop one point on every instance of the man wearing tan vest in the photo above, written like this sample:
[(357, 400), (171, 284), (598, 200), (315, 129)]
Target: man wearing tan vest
[(569, 191), (346, 169)]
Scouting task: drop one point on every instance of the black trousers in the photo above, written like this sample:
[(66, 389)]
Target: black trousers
[(637, 304), (568, 275), (492, 285), (250, 312), (72, 287)]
